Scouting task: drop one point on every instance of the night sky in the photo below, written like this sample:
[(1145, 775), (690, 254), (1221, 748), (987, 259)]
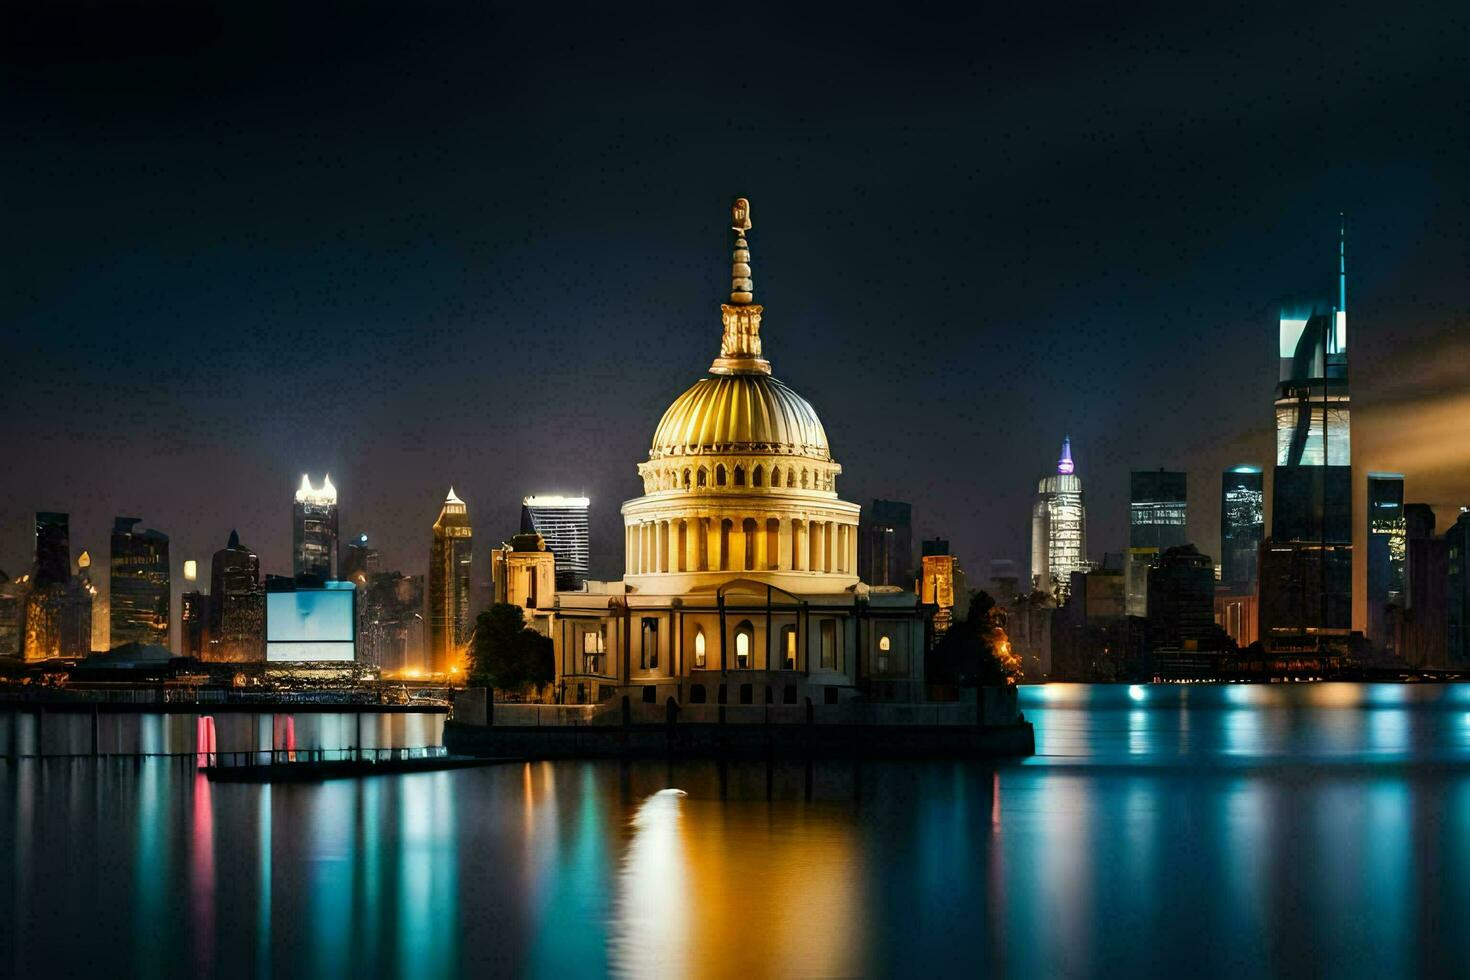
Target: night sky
[(421, 245)]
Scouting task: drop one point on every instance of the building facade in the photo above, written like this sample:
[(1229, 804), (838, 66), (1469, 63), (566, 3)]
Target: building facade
[(563, 523), (139, 583), (57, 615), (1157, 521), (1242, 528), (1306, 566), (523, 572), (449, 586), (1457, 592), (1058, 528), (1387, 550), (236, 605), (1422, 638), (740, 582), (314, 530)]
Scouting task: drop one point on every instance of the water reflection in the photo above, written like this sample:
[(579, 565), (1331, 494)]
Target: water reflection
[(1213, 832)]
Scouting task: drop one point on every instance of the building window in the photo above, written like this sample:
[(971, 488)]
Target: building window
[(592, 650), (744, 640), (757, 476), (775, 476), (829, 644), (648, 652), (699, 648), (884, 644), (788, 647), (720, 475), (531, 587), (740, 476), (703, 476)]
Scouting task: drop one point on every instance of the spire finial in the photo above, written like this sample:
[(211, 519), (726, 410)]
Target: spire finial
[(741, 286), (1065, 466), (740, 347)]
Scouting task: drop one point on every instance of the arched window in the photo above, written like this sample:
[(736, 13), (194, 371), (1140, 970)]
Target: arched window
[(756, 476), (699, 647), (804, 478), (720, 475), (686, 478), (739, 476), (883, 647), (788, 647), (703, 477), (775, 476), (884, 644), (791, 477), (744, 643)]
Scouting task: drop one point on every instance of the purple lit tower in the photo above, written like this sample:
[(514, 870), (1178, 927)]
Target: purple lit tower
[(1058, 527)]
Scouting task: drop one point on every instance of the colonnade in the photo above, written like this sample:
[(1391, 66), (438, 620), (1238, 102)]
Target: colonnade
[(740, 544)]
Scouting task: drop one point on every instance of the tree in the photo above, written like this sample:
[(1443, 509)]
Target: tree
[(508, 655), (976, 649)]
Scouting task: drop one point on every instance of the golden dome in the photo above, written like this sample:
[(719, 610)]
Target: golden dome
[(737, 413)]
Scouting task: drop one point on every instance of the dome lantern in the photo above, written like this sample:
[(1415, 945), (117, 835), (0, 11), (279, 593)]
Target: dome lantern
[(740, 346)]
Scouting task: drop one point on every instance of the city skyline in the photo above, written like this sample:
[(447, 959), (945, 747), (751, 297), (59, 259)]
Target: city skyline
[(1024, 271)]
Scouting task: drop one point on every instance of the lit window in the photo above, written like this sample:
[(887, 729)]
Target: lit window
[(744, 635), (648, 655), (699, 648), (829, 644), (883, 644), (788, 646)]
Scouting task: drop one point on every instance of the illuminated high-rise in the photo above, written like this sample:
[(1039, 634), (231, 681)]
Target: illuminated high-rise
[(193, 614), (1058, 527), (236, 605), (58, 604), (1387, 550), (449, 585), (563, 522), (1157, 521), (1242, 527), (314, 530), (1307, 565), (139, 585)]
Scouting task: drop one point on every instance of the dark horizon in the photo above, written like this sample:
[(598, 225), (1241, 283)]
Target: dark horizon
[(488, 250)]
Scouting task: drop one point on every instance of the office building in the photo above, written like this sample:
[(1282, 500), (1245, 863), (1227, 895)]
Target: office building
[(1058, 527), (391, 624), (310, 623), (1242, 527), (359, 561), (1423, 624), (1387, 550), (1457, 593), (57, 619), (314, 530), (563, 522), (1157, 521), (193, 614), (449, 586), (139, 583), (236, 605), (1306, 566), (886, 555)]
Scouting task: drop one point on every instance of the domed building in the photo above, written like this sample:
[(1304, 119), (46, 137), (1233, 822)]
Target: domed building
[(740, 582)]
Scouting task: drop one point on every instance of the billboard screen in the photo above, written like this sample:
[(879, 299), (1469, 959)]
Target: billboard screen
[(311, 624)]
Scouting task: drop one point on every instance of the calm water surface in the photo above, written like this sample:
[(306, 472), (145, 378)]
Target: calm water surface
[(1307, 830)]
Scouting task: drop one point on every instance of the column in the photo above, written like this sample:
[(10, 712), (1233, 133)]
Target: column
[(783, 545), (829, 547), (663, 546), (798, 545)]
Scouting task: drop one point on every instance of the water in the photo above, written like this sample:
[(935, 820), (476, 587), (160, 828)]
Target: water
[(1318, 830)]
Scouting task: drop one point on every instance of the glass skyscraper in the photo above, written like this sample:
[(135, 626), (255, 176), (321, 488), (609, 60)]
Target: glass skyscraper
[(139, 577), (1157, 521), (1387, 549), (1307, 566), (1242, 527), (1058, 527), (563, 523)]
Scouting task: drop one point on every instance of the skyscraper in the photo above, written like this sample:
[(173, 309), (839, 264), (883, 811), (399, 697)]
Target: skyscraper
[(1242, 527), (314, 530), (562, 521), (886, 555), (359, 562), (1457, 604), (1058, 527), (1157, 521), (236, 605), (1387, 549), (1422, 638), (1306, 567), (449, 585), (58, 605), (53, 549), (139, 585)]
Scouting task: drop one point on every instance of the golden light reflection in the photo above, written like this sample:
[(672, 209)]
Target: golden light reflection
[(710, 888)]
